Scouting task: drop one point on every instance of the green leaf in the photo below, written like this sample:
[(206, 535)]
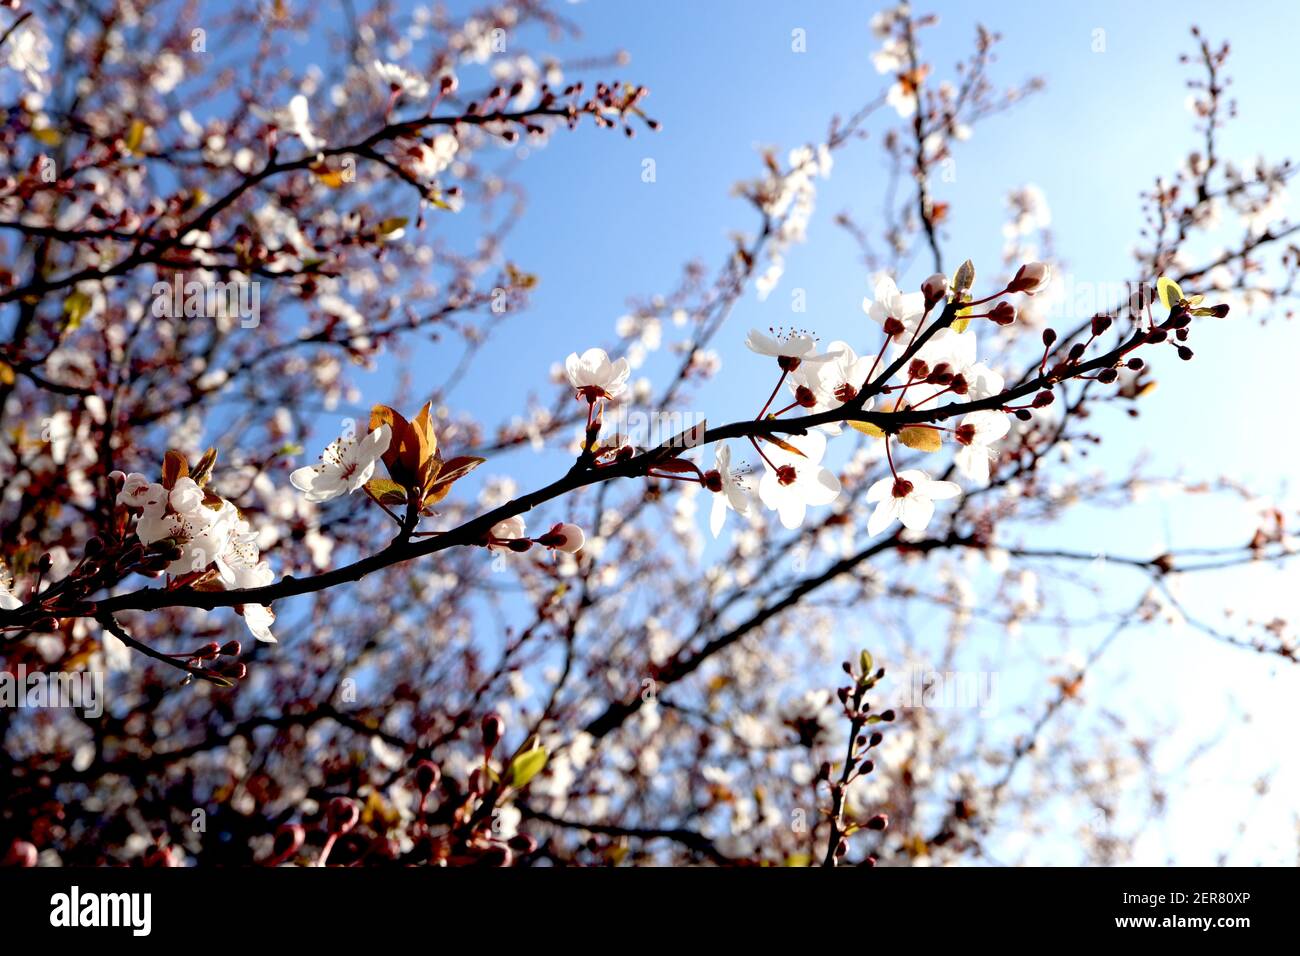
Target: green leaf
[(964, 277), (866, 663), (875, 431), (1169, 291), (387, 492), (527, 765), (75, 308), (135, 135)]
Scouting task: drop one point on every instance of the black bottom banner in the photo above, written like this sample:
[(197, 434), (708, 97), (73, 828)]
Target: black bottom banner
[(330, 905)]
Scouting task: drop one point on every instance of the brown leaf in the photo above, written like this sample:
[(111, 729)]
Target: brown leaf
[(921, 438), (452, 471), (203, 470), (457, 468), (426, 443), (402, 435), (174, 468), (780, 443)]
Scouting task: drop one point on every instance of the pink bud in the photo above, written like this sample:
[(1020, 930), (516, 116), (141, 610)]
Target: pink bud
[(1032, 277), (934, 289), (342, 815), (566, 537), (21, 853)]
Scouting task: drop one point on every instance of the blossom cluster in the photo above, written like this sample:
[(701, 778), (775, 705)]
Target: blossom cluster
[(838, 385), (208, 542)]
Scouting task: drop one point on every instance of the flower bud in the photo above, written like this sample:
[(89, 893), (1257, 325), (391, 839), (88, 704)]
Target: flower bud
[(493, 728), (522, 843), (878, 822), (427, 776), (1032, 277), (288, 840), (21, 853), (569, 537), (1004, 313), (161, 856), (934, 289), (342, 815), (497, 856)]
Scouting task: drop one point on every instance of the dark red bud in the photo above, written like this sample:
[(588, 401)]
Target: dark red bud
[(427, 776), (493, 728), (342, 815)]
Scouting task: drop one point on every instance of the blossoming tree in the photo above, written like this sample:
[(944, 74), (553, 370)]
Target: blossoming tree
[(449, 661)]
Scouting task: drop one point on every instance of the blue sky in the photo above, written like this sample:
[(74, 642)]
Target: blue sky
[(724, 81)]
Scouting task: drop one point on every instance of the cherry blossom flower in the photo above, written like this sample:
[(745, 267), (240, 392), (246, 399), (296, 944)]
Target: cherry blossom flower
[(431, 158), (975, 433), (139, 492), (8, 601), (895, 311), (902, 97), (792, 482), (503, 532), (240, 565), (891, 56), (27, 51), (201, 533), (831, 384), (293, 120), (790, 349), (593, 376), (345, 466), (909, 498), (400, 81), (259, 618), (186, 497), (727, 488)]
